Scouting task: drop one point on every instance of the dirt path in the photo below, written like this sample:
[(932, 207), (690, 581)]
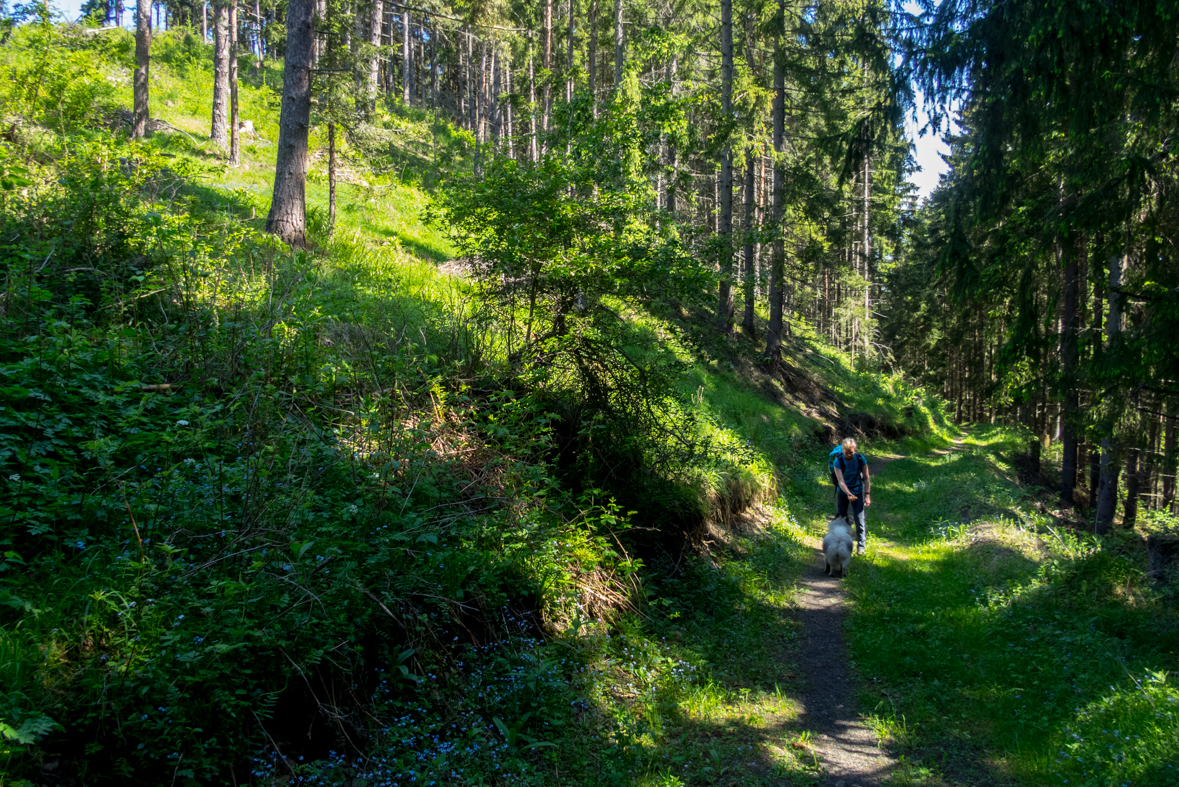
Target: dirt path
[(847, 747)]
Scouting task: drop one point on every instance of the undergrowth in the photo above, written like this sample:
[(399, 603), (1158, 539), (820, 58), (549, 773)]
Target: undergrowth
[(273, 515)]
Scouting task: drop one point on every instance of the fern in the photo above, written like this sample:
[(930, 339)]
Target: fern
[(30, 730)]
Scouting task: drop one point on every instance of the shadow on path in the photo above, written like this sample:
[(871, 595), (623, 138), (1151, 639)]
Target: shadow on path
[(846, 746)]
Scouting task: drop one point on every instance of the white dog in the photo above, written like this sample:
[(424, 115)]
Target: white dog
[(837, 546)]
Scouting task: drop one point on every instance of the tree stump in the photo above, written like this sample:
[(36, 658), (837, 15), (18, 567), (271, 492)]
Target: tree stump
[(1162, 552)]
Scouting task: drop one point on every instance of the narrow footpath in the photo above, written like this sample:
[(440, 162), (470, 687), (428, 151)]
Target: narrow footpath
[(847, 748)]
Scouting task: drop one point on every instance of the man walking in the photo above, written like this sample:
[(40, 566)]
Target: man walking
[(855, 484)]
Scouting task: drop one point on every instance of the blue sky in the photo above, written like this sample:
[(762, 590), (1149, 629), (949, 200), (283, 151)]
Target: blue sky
[(928, 148)]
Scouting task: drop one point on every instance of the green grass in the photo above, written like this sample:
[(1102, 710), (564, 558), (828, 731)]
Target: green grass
[(344, 499), (995, 642)]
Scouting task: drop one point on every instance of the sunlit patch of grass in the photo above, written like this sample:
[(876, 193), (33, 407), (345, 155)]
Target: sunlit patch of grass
[(981, 626)]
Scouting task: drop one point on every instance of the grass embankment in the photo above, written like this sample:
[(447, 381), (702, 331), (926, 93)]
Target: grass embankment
[(999, 645), (272, 514)]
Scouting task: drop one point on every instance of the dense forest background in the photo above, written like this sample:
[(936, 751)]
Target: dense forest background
[(442, 390)]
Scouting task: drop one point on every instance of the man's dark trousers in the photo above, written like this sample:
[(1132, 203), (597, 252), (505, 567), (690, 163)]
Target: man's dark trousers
[(857, 507)]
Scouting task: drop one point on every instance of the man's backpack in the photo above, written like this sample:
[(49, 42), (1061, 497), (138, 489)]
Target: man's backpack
[(833, 457)]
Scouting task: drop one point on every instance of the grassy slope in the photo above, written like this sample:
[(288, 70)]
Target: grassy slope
[(693, 688)]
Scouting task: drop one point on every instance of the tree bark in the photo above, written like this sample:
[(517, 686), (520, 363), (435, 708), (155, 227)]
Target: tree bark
[(619, 44), (376, 22), (220, 125), (142, 65), (288, 209), (569, 60), (866, 256), (724, 309), (1068, 366), (1169, 445), (750, 268), (778, 264), (592, 57), (1107, 485), (509, 120), (672, 175), (406, 57), (235, 155), (1133, 487), (533, 142), (331, 175), (546, 63)]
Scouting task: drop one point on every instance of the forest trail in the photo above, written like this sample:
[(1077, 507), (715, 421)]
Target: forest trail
[(846, 746)]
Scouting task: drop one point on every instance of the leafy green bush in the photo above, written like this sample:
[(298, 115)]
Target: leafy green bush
[(62, 83)]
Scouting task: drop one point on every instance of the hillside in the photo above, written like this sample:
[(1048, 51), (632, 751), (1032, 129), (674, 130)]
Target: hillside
[(271, 511), (476, 490)]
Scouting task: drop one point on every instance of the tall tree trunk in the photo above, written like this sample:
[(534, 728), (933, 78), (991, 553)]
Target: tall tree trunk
[(778, 265), (546, 63), (1169, 446), (619, 44), (724, 309), (533, 142), (288, 208), (235, 156), (1068, 366), (406, 56), (1107, 487), (204, 21), (569, 59), (331, 175), (672, 174), (220, 125), (376, 22), (1133, 487), (496, 110), (1150, 463), (750, 266), (142, 64), (866, 256), (592, 57), (508, 113)]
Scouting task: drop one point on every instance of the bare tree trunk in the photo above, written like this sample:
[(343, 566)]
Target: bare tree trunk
[(1107, 488), (1068, 366), (1169, 445), (778, 265), (1150, 463), (376, 22), (750, 268), (481, 110), (592, 57), (288, 208), (619, 43), (508, 113), (496, 113), (142, 64), (673, 174), (533, 146), (332, 175), (569, 60), (235, 156), (1133, 487), (204, 21), (220, 123), (406, 57), (546, 64), (724, 309), (866, 256)]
